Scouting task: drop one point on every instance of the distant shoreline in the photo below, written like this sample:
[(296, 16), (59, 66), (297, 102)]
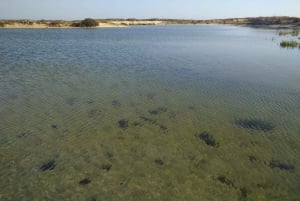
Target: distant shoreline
[(258, 22)]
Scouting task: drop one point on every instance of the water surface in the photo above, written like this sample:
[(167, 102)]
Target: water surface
[(149, 113)]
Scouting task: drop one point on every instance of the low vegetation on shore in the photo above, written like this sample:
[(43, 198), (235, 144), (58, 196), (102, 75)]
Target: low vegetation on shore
[(289, 44), (295, 32), (290, 38), (259, 22)]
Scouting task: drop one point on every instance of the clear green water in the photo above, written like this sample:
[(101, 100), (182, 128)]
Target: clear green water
[(63, 93)]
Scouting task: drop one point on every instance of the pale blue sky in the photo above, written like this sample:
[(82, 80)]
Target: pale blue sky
[(188, 9)]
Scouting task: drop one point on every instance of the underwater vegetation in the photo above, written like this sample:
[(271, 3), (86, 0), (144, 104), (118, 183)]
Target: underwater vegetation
[(244, 194), (158, 110), (106, 167), (48, 166), (90, 101), (191, 107), (281, 166), (70, 101), (123, 123), (162, 127), (146, 119), (225, 181), (151, 96), (243, 191), (116, 103), (208, 139), (159, 162), (54, 126), (252, 158), (255, 124), (109, 156), (154, 122), (24, 134), (85, 181)]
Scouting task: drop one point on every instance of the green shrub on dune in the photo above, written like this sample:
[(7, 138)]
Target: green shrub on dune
[(57, 23), (88, 22)]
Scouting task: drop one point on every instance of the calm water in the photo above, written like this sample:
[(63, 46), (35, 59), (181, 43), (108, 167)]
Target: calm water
[(149, 113)]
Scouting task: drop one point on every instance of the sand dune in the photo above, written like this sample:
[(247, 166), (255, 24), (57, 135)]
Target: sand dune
[(259, 22)]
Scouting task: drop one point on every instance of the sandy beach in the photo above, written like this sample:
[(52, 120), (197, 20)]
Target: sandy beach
[(43, 26), (11, 24)]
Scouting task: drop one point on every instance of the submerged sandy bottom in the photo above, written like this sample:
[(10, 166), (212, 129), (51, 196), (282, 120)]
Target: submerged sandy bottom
[(126, 137), (97, 130)]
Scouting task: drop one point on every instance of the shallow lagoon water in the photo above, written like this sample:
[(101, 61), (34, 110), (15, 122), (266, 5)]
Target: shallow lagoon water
[(149, 113)]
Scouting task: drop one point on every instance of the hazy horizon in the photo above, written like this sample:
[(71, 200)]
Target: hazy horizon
[(190, 9), (150, 18)]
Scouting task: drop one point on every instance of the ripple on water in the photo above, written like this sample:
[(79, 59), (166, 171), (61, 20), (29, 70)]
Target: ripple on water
[(78, 100)]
